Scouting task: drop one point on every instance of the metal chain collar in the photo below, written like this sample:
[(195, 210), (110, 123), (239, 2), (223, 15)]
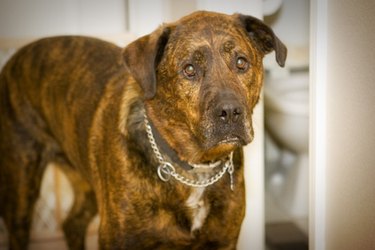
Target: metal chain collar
[(166, 169)]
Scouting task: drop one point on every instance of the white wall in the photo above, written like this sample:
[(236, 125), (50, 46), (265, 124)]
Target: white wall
[(36, 18), (290, 31), (145, 15), (345, 218)]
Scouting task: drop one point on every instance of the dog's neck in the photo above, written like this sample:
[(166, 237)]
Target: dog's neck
[(138, 134), (165, 148)]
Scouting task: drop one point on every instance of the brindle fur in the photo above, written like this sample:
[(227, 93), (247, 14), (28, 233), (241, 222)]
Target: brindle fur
[(79, 102)]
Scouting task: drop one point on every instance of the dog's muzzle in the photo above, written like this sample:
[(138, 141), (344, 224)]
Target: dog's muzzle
[(229, 121)]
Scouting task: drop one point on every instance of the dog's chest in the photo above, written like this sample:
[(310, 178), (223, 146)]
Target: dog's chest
[(198, 207)]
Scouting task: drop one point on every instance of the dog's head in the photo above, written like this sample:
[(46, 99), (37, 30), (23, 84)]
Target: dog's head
[(201, 77)]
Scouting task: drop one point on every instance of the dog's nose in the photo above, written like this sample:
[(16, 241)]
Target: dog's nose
[(229, 111)]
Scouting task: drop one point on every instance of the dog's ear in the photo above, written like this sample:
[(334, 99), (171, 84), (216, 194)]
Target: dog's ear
[(143, 56), (264, 37)]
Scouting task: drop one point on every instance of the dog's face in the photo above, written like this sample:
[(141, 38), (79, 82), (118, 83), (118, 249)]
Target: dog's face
[(202, 77)]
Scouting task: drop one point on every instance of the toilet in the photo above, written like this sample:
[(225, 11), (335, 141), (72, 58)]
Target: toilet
[(287, 124)]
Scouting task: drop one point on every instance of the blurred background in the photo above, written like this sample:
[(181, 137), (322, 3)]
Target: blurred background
[(310, 169)]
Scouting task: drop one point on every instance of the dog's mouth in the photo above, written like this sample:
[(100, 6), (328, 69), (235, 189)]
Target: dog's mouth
[(238, 136), (219, 147), (233, 139)]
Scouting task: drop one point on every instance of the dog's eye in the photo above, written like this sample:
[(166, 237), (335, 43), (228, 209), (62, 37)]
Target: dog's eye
[(242, 64), (189, 70)]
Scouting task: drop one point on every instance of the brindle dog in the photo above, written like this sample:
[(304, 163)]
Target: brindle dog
[(174, 105)]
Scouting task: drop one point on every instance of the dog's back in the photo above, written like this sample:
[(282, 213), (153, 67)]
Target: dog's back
[(46, 84), (43, 91)]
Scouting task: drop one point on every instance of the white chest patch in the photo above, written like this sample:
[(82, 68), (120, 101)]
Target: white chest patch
[(199, 209)]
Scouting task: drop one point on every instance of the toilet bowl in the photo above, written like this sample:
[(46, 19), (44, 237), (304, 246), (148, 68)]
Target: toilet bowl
[(286, 119)]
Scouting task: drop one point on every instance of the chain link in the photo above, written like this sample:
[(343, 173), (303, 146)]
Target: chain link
[(166, 169)]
